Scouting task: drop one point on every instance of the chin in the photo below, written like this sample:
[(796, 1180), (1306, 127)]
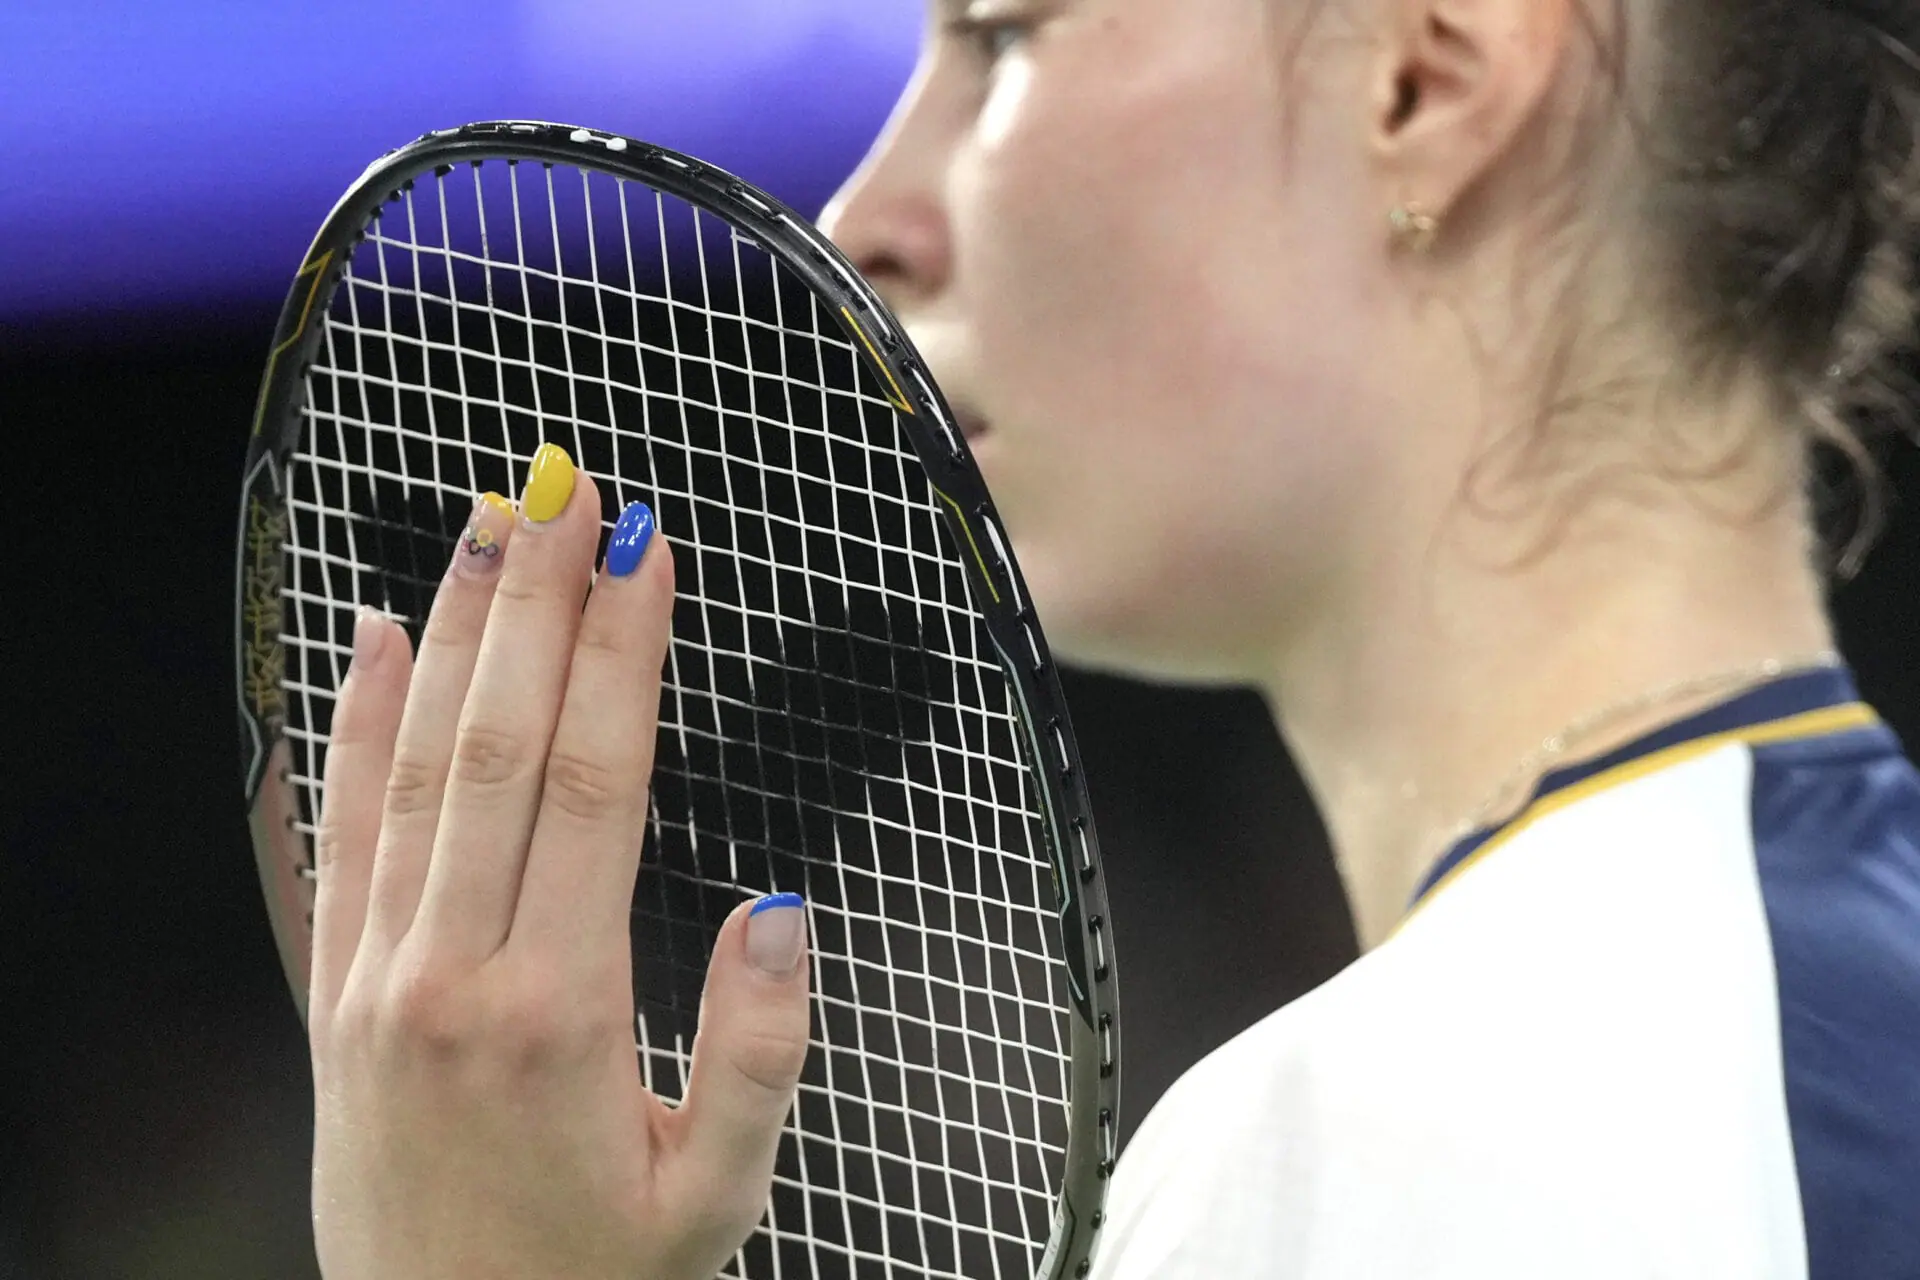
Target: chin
[(1124, 628)]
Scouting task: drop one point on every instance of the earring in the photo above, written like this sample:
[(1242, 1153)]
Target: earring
[(1413, 229)]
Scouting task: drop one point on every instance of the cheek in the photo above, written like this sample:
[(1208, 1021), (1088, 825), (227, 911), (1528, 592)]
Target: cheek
[(1145, 320)]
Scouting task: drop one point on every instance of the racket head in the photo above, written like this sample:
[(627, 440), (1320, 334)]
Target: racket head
[(276, 701)]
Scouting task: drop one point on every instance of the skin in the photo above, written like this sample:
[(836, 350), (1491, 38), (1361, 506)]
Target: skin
[(1237, 434), (477, 1109)]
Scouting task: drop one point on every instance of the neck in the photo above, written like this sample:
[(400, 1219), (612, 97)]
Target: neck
[(1417, 698)]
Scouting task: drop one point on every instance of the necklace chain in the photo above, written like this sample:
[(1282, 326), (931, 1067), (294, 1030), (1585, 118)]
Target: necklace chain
[(1557, 745)]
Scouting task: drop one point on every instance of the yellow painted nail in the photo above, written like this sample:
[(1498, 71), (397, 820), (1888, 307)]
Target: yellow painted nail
[(549, 484), (498, 503)]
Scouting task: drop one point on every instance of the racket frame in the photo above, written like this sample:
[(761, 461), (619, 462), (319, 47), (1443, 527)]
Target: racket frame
[(284, 855)]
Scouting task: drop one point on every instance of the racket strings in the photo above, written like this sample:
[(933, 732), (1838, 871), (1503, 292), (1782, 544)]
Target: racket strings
[(833, 718)]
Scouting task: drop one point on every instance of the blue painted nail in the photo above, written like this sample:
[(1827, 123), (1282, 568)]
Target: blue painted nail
[(631, 534), (777, 939)]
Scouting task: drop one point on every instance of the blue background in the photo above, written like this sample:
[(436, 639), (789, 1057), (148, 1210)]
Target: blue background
[(163, 165), (182, 152)]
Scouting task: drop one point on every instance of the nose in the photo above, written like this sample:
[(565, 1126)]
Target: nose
[(890, 220)]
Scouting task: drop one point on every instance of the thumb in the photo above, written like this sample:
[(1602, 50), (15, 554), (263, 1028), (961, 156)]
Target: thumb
[(751, 1047)]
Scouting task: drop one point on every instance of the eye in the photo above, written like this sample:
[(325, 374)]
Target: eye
[(993, 38), (998, 39)]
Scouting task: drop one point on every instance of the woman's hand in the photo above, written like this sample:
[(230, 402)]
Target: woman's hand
[(479, 1111)]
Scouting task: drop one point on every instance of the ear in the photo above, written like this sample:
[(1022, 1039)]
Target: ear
[(1458, 83)]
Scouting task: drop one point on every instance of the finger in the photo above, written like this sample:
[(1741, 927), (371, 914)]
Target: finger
[(751, 1047), (359, 756), (577, 893), (500, 751), (416, 785)]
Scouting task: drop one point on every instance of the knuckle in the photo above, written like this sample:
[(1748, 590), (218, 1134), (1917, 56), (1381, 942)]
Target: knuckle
[(520, 1021), (487, 757), (540, 1019), (489, 1024), (426, 1010), (769, 1061), (601, 636), (531, 1032), (526, 588), (414, 784), (453, 628), (584, 788), (329, 842)]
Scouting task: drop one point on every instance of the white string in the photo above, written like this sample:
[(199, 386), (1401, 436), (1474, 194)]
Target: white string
[(818, 589), (839, 1142), (682, 1054)]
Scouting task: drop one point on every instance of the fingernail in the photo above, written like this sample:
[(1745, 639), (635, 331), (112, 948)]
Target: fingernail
[(485, 541), (777, 933), (369, 637), (631, 534), (549, 484)]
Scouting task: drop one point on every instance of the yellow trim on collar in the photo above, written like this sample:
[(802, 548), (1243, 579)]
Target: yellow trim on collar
[(1808, 724)]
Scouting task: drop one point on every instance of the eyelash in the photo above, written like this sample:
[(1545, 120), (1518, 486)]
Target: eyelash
[(984, 36)]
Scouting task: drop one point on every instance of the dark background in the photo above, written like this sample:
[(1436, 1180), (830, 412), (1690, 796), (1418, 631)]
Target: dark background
[(157, 1107), (154, 1095)]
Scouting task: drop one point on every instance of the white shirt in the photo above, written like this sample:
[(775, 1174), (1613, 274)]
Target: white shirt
[(1666, 1023)]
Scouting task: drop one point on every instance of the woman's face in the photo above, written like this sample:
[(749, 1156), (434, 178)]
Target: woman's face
[(1140, 243)]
